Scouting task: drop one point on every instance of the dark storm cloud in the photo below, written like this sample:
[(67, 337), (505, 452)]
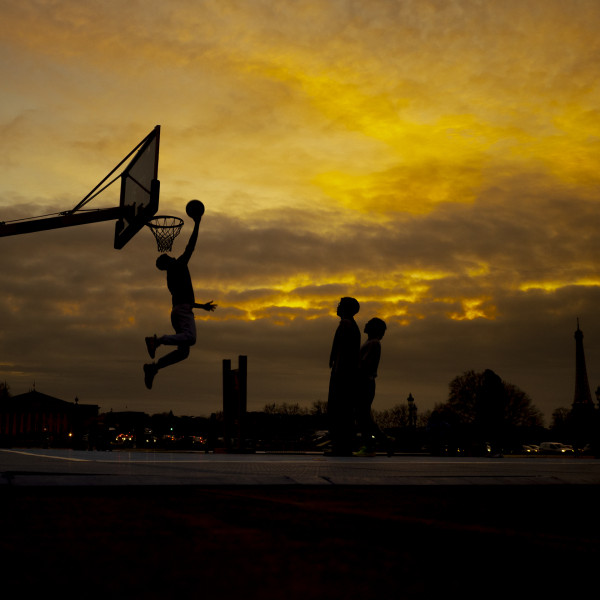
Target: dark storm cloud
[(74, 309), (514, 239)]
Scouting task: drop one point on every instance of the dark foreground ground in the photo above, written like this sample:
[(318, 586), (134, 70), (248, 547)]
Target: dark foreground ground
[(288, 542)]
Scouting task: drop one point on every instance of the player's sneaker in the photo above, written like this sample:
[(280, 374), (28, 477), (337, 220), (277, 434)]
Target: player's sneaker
[(151, 345), (150, 370)]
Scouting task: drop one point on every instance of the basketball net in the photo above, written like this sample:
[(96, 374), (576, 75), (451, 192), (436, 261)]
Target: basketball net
[(165, 230)]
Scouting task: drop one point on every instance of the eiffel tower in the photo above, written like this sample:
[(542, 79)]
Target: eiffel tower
[(583, 396), (583, 418)]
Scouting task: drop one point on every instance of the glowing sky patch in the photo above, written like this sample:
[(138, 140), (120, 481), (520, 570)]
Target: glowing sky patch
[(474, 308), (551, 286)]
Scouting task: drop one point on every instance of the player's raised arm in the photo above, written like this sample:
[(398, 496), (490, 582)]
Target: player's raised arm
[(195, 210), (191, 245)]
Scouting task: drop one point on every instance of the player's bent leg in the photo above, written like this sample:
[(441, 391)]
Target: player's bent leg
[(151, 345), (177, 339), (176, 356)]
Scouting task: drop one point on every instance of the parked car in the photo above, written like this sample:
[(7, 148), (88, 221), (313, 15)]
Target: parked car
[(555, 448)]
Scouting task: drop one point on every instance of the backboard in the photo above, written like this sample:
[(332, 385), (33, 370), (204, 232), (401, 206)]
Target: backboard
[(140, 189)]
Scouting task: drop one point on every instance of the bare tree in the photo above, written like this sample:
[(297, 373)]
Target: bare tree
[(476, 397)]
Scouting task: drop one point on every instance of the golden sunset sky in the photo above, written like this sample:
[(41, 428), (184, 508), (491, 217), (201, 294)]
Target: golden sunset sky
[(437, 160)]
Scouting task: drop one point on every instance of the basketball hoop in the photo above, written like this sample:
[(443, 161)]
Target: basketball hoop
[(165, 230)]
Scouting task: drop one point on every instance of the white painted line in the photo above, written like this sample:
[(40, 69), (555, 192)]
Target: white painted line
[(67, 458)]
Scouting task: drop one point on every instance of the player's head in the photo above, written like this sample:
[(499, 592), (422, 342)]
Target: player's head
[(375, 328), (348, 307), (164, 261)]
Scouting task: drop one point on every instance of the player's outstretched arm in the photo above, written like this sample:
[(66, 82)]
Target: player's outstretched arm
[(189, 249), (208, 306)]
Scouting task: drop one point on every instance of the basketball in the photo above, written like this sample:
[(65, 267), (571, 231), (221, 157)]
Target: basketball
[(194, 209)]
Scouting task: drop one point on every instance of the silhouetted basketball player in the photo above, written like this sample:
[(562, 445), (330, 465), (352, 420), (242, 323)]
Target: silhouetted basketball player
[(179, 283), (343, 362)]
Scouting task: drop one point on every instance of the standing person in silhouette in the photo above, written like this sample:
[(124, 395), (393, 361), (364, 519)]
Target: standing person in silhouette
[(343, 363), (370, 354), (179, 283)]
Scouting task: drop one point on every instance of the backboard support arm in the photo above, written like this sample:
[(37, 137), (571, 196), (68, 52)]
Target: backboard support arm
[(66, 220)]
